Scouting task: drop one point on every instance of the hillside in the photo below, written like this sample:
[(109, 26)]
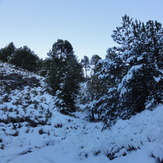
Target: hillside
[(32, 130)]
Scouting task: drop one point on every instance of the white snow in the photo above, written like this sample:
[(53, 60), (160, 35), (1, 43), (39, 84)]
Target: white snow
[(76, 140), (73, 139), (128, 77)]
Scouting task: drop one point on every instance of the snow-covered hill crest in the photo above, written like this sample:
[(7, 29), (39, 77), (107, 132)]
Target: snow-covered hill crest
[(32, 130), (24, 97)]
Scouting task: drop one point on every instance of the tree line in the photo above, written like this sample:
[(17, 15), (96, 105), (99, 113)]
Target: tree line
[(129, 79), (61, 68), (126, 82)]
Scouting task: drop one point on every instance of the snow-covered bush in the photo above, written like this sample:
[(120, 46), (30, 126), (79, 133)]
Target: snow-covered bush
[(24, 97)]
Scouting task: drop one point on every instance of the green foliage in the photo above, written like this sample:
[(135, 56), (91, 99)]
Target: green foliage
[(94, 60), (45, 67), (86, 65), (64, 74), (22, 57), (129, 80), (7, 52), (25, 58), (142, 90)]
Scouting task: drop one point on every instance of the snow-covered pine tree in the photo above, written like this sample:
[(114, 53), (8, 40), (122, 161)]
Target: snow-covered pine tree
[(104, 82), (94, 60), (98, 89), (129, 80), (140, 88), (86, 65)]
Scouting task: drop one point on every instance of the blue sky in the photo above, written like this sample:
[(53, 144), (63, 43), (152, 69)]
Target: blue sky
[(86, 24)]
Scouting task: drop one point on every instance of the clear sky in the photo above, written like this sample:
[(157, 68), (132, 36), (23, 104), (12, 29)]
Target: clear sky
[(86, 24)]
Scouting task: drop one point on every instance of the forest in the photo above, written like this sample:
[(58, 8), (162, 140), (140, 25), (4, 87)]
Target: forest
[(126, 82)]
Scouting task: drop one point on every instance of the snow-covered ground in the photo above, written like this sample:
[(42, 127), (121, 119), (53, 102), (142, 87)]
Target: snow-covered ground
[(70, 139), (73, 139)]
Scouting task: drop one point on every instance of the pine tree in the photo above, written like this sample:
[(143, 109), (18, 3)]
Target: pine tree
[(86, 65), (140, 87), (129, 80), (25, 58), (103, 85), (64, 74), (94, 60), (7, 52)]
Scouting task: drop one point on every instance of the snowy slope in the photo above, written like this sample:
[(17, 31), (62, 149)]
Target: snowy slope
[(50, 136)]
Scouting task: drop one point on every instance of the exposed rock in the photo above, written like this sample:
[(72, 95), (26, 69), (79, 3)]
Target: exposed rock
[(17, 81), (32, 82)]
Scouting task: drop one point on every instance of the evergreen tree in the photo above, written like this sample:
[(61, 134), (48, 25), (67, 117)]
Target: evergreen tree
[(103, 85), (94, 60), (7, 52), (129, 80), (45, 67), (86, 65), (64, 74), (140, 87), (40, 69), (25, 58)]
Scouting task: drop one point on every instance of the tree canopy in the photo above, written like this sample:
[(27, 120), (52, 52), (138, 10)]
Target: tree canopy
[(64, 74)]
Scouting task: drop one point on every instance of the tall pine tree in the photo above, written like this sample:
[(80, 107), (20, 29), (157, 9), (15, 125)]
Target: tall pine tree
[(64, 74), (129, 80)]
